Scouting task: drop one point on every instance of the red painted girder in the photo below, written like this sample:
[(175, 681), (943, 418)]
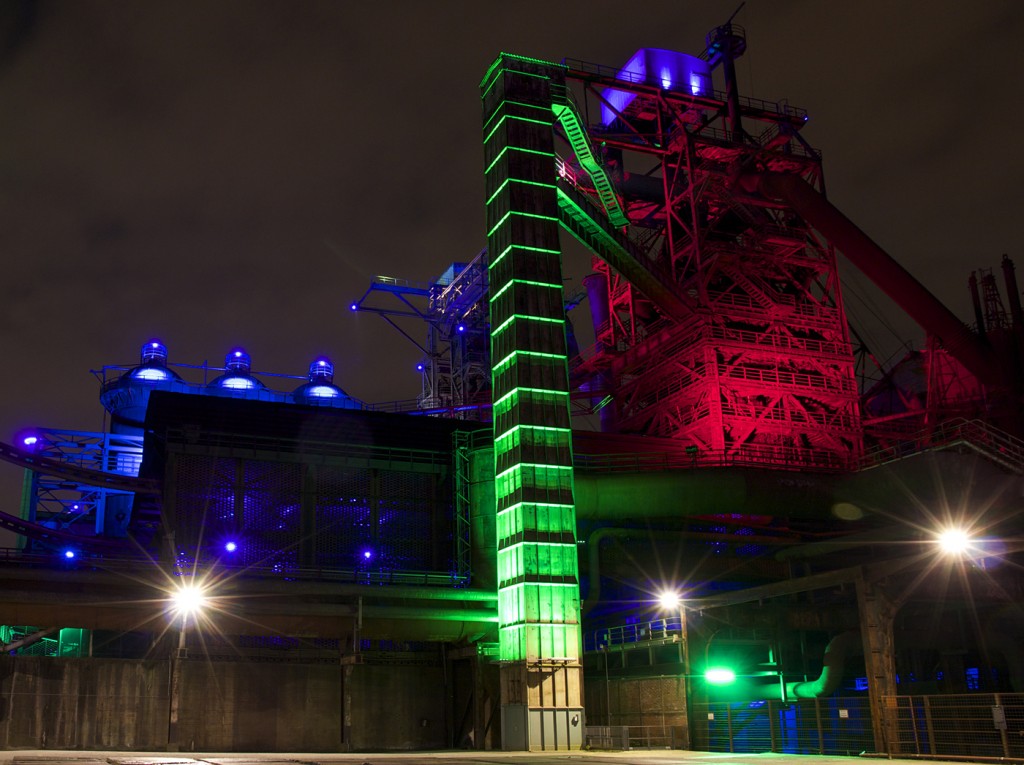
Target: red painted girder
[(886, 273)]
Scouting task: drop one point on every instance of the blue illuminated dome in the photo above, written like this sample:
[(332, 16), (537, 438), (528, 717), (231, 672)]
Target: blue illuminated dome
[(237, 378), (126, 397), (321, 390)]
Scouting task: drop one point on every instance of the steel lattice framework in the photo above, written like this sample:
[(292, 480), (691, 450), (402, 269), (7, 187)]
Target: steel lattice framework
[(725, 328)]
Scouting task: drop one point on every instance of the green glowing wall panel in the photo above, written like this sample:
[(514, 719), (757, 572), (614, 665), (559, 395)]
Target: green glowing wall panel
[(538, 589)]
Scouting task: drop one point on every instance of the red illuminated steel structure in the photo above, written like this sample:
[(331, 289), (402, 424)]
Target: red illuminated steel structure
[(734, 340)]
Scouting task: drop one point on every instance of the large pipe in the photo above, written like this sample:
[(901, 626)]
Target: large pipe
[(908, 293), (613, 496), (836, 652)]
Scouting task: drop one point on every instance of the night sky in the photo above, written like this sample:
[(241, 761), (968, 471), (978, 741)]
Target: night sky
[(222, 173)]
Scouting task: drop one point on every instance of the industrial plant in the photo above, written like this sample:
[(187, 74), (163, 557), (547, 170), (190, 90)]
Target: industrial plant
[(683, 508)]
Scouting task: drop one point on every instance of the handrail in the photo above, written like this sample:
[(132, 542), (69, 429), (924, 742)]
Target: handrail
[(989, 441), (60, 469), (398, 282), (669, 628), (745, 455), (125, 562), (563, 105)]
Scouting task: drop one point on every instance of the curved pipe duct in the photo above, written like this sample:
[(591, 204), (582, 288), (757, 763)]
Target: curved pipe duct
[(836, 653), (594, 562), (1003, 635)]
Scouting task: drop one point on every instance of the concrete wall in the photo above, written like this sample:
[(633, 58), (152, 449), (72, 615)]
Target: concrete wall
[(246, 707), (224, 706), (83, 703), (396, 707)]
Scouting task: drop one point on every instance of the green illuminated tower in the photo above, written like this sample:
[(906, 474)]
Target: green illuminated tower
[(538, 587)]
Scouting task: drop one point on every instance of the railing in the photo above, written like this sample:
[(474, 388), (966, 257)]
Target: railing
[(566, 171), (746, 455), (966, 726), (990, 442), (393, 281), (670, 628), (13, 556), (55, 467), (417, 406), (834, 726), (625, 737)]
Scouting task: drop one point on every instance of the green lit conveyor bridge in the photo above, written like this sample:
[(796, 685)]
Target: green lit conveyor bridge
[(601, 230)]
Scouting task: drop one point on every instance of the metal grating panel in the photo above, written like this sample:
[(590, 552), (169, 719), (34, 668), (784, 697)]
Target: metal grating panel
[(377, 520), (405, 527), (204, 503), (271, 515), (286, 516), (254, 504), (344, 517)]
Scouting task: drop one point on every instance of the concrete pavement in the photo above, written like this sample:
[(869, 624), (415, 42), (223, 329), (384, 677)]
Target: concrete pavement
[(634, 757)]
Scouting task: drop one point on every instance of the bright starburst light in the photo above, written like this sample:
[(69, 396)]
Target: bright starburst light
[(669, 600), (955, 541), (188, 599)]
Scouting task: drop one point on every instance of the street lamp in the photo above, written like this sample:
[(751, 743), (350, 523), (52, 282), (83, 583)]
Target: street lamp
[(670, 600), (954, 541), (188, 599)]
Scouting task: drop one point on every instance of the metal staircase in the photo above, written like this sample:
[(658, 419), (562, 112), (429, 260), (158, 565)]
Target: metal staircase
[(564, 108)]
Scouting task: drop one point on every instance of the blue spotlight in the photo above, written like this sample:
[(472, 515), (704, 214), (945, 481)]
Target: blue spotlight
[(367, 554), (354, 307), (30, 440), (230, 547), (461, 328), (69, 554), (419, 367)]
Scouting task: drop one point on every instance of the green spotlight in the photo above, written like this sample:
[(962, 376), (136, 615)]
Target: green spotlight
[(719, 676)]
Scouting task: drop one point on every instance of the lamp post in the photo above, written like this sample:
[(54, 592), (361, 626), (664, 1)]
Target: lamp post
[(672, 600), (185, 601)]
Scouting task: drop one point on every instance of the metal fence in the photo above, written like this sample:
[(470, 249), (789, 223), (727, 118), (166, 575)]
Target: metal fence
[(622, 737), (834, 726), (977, 725)]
